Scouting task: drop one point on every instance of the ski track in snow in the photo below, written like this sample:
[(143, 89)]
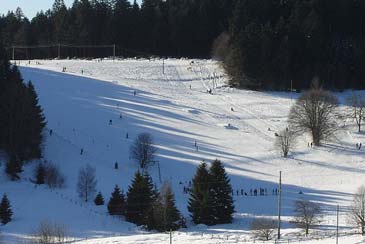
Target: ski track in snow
[(78, 107)]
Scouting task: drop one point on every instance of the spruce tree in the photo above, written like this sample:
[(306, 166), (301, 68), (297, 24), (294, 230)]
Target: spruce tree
[(5, 210), (200, 202), (40, 174), (140, 198), (166, 215), (116, 205), (99, 200), (221, 192), (36, 123)]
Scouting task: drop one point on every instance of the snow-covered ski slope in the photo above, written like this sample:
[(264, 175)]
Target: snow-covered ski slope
[(172, 103)]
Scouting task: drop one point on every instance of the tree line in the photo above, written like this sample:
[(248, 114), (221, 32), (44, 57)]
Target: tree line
[(170, 28), (285, 43)]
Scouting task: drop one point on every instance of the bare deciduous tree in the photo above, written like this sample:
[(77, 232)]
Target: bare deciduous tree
[(307, 214), (143, 150), (357, 212), (86, 184), (316, 112), (357, 104), (263, 228), (48, 233), (285, 141), (220, 46)]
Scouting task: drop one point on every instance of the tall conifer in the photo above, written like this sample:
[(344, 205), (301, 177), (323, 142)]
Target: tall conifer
[(200, 201), (221, 192)]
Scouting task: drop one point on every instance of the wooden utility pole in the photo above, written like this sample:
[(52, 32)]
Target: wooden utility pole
[(279, 207), (113, 52)]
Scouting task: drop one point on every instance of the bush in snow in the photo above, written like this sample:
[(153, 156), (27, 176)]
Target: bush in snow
[(99, 199), (54, 178), (49, 233), (263, 228), (40, 174), (13, 167)]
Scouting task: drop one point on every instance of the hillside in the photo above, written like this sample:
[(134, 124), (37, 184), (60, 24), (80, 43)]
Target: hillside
[(172, 103)]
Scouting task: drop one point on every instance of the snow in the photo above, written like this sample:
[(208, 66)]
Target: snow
[(235, 126)]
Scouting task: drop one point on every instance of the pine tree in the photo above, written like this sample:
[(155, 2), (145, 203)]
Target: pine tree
[(221, 191), (166, 215), (200, 202), (99, 200), (140, 198), (116, 205), (40, 174), (5, 210), (36, 123)]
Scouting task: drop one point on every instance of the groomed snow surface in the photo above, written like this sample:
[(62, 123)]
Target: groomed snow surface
[(172, 103)]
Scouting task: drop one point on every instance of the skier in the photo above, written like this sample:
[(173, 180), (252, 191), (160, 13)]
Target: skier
[(81, 151), (50, 132), (116, 166), (110, 122)]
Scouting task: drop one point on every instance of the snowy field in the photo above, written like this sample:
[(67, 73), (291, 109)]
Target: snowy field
[(172, 103)]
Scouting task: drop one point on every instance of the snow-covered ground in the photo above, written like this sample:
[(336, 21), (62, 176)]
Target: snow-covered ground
[(172, 103)]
